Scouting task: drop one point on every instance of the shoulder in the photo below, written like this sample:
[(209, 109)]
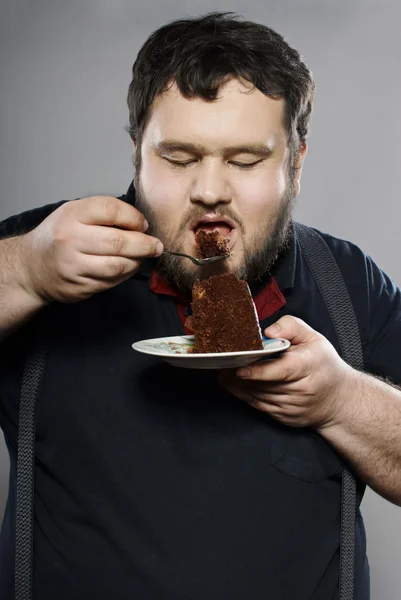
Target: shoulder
[(350, 258), (358, 268), (362, 275), (377, 303)]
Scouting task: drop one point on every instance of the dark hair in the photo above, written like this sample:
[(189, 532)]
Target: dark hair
[(200, 54)]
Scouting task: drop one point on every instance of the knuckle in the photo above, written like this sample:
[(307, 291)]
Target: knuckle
[(116, 242), (289, 320), (260, 404), (285, 373), (59, 232), (61, 225), (69, 207), (111, 207), (115, 268), (152, 246), (287, 410)]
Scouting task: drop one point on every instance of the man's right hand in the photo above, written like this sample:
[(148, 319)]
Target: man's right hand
[(84, 247)]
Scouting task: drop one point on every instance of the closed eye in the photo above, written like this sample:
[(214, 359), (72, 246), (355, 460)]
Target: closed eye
[(179, 163), (246, 165)]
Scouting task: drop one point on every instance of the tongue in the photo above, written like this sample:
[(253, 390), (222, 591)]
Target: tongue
[(220, 227)]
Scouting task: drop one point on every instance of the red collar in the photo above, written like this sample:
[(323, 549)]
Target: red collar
[(268, 301)]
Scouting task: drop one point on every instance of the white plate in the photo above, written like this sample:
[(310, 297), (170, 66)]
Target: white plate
[(174, 350)]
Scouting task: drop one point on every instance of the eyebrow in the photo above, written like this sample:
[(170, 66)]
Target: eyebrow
[(175, 146)]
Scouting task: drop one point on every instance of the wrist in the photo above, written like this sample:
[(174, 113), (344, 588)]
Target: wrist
[(343, 397), (25, 256)]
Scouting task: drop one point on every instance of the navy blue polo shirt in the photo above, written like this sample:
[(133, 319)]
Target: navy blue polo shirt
[(153, 482)]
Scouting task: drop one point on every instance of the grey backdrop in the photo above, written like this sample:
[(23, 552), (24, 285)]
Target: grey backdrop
[(64, 72)]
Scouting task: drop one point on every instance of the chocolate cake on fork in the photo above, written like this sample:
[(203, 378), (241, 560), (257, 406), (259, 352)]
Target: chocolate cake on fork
[(211, 243)]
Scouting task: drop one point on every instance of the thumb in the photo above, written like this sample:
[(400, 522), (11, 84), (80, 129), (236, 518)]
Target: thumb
[(293, 329)]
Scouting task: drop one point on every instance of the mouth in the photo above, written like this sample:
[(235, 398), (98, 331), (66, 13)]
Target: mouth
[(226, 227)]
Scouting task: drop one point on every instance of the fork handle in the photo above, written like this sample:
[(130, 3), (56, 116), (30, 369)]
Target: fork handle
[(194, 260)]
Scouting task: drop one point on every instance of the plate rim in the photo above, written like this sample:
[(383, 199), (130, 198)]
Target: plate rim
[(285, 343)]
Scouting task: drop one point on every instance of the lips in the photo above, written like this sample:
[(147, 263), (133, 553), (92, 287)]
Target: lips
[(213, 222), (219, 226), (224, 225)]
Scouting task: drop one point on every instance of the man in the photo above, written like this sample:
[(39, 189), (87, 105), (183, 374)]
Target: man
[(159, 483)]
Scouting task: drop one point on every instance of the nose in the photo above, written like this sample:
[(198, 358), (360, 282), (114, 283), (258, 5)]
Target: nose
[(210, 185)]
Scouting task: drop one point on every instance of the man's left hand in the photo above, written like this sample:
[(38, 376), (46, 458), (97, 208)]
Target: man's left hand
[(305, 387)]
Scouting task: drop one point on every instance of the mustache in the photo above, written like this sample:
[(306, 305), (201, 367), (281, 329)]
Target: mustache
[(193, 213)]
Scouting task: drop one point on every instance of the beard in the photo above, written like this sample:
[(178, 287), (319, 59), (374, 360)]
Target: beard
[(260, 254)]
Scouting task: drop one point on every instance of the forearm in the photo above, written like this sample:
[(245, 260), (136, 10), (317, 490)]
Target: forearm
[(17, 303), (367, 432)]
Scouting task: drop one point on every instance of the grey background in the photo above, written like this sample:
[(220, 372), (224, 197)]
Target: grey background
[(64, 72)]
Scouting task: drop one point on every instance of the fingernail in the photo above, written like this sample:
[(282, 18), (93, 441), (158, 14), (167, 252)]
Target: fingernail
[(159, 249), (145, 225), (244, 372)]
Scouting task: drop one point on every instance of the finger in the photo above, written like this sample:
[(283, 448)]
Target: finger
[(110, 241), (268, 406), (286, 418), (276, 390), (107, 268), (284, 402), (293, 329), (107, 210), (238, 388), (288, 368)]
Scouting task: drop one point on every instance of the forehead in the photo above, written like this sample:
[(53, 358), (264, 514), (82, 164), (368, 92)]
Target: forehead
[(241, 114)]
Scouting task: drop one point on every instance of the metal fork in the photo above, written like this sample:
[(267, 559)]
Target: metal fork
[(201, 262)]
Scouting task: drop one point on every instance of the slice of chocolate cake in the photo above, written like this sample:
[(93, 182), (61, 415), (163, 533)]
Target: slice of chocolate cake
[(211, 243), (224, 317)]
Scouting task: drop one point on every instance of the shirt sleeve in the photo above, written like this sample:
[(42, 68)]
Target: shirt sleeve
[(26, 221), (383, 350)]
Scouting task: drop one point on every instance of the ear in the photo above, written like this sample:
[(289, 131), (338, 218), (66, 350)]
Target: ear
[(298, 167), (135, 148)]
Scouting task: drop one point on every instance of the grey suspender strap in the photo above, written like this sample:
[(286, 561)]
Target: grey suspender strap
[(34, 368), (330, 282), (332, 287)]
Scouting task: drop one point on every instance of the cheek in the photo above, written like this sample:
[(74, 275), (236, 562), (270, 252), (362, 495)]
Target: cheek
[(262, 195), (162, 191)]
